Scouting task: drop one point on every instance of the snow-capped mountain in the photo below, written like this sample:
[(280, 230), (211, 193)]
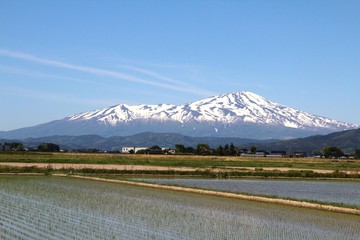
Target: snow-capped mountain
[(239, 114), (238, 107)]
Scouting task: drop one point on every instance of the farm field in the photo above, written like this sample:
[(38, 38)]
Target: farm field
[(333, 192), (49, 207), (190, 161)]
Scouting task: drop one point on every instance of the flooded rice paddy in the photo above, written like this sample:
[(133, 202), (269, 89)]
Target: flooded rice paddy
[(64, 208), (338, 192)]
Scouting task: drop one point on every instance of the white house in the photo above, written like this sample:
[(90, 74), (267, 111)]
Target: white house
[(127, 149), (134, 149)]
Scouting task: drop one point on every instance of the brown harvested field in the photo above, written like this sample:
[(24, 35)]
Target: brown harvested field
[(153, 168)]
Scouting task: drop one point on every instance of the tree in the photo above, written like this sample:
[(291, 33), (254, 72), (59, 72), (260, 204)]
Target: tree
[(253, 149), (202, 149), (179, 148), (92, 150), (332, 152), (155, 147), (220, 151), (226, 150), (189, 150), (48, 147), (15, 146), (357, 153), (233, 150)]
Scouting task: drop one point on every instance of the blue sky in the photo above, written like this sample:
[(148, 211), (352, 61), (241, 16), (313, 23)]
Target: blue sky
[(58, 58)]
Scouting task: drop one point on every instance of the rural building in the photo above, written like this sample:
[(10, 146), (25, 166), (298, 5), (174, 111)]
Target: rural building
[(127, 149), (299, 154), (171, 151), (248, 155), (277, 154), (4, 147), (140, 148), (243, 150), (261, 153), (134, 149), (253, 155)]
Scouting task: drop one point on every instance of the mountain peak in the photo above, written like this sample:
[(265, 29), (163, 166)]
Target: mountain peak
[(241, 107), (238, 114)]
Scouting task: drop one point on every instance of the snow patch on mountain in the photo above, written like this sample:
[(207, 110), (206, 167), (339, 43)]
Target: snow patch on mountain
[(232, 108), (238, 114)]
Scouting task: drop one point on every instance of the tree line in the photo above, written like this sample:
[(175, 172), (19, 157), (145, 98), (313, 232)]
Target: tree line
[(18, 146), (201, 149), (231, 150), (204, 149)]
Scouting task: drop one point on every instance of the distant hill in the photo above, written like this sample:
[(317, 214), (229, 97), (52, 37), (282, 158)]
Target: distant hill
[(348, 141), (146, 139)]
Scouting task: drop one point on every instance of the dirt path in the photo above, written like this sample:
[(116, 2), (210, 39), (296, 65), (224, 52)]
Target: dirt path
[(153, 168), (284, 169), (97, 166)]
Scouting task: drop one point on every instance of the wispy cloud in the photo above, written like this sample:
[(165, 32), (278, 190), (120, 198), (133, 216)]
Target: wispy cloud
[(161, 77), (52, 96), (26, 72), (176, 86), (150, 73)]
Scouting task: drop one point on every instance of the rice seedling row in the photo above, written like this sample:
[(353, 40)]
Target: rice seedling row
[(42, 224), (67, 219), (61, 220), (61, 208)]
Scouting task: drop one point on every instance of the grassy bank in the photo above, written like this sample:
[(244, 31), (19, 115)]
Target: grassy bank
[(207, 173)]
